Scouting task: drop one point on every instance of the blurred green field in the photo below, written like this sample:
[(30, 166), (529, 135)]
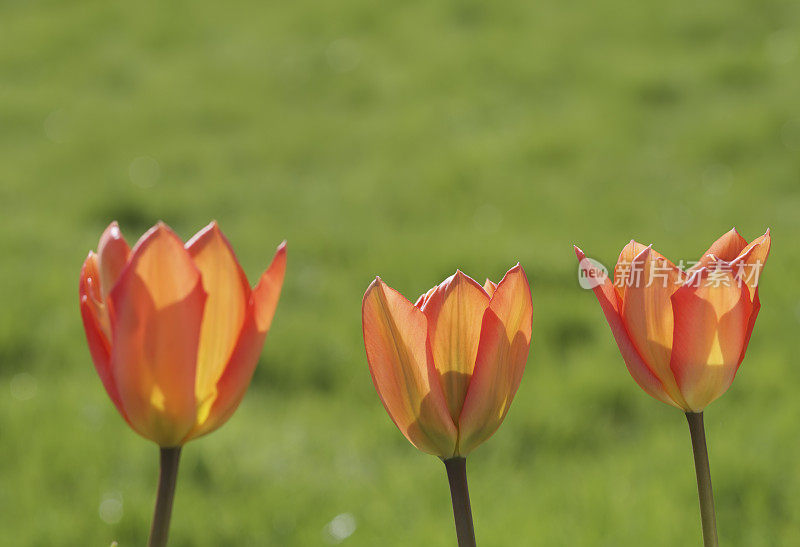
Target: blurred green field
[(401, 139)]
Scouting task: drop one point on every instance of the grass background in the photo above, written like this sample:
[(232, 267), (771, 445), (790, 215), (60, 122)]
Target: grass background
[(403, 139)]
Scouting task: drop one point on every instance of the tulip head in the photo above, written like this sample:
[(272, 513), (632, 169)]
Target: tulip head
[(175, 330), (447, 367), (683, 334)]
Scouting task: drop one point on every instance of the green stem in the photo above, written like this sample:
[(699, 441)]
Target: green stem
[(459, 494), (168, 475), (701, 467)]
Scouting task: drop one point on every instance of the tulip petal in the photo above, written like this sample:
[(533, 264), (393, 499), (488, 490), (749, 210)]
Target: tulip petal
[(638, 369), (238, 372), (156, 313), (112, 255), (726, 248), (502, 353), (232, 385), (646, 312), (228, 295), (401, 365), (751, 324), (94, 314), (712, 314), (268, 290), (750, 263), (455, 313), (624, 274), (490, 286)]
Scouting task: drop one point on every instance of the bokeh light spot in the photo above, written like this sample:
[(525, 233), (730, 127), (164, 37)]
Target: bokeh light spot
[(340, 528), (110, 509)]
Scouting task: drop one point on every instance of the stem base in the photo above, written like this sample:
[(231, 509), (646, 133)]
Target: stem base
[(459, 494), (702, 469), (168, 476)]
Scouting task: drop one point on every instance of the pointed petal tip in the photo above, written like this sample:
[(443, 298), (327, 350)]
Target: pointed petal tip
[(112, 230), (377, 282), (516, 270), (461, 276), (213, 226), (643, 254), (158, 230), (112, 255), (210, 229), (456, 279), (164, 228)]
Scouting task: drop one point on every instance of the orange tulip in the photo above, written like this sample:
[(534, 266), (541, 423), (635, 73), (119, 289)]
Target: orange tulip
[(175, 331), (683, 334), (447, 367)]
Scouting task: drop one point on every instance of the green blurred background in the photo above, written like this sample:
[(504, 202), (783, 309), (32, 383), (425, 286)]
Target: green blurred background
[(403, 139)]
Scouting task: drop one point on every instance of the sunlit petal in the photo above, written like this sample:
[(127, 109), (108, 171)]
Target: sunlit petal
[(455, 313), (646, 312), (638, 369), (395, 338), (156, 311), (727, 247), (502, 354), (228, 295), (712, 316), (112, 253)]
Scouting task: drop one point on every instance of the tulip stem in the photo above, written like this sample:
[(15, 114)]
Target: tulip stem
[(168, 475), (707, 514), (459, 494)]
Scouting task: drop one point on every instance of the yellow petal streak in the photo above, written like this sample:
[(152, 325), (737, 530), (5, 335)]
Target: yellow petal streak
[(224, 313)]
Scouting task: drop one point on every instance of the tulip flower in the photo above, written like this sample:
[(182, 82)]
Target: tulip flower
[(683, 334), (175, 332), (447, 367)]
